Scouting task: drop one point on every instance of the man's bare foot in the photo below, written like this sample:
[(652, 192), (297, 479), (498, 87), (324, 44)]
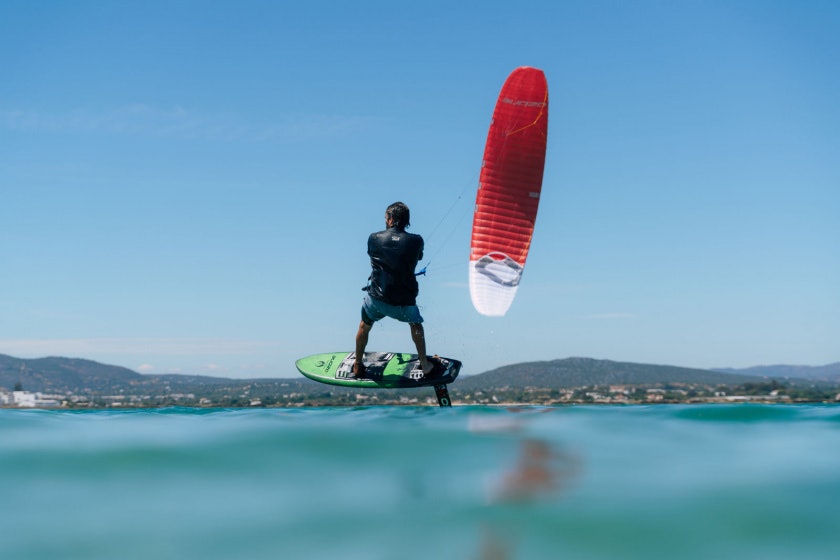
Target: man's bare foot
[(359, 369), (429, 365)]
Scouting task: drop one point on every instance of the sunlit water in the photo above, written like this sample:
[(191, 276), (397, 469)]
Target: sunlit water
[(725, 481)]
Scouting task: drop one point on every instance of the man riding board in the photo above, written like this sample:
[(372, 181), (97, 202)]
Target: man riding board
[(392, 291)]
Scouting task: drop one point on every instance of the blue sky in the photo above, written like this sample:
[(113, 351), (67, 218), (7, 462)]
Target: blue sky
[(189, 186)]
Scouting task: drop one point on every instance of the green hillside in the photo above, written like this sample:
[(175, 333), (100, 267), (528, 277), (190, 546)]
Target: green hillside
[(59, 375), (580, 372), (830, 372)]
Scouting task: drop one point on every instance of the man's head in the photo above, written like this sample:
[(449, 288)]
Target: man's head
[(398, 215)]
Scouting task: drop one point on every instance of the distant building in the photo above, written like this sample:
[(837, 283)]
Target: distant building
[(25, 399)]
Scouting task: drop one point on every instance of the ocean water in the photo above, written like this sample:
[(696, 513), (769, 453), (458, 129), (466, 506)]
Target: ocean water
[(590, 482)]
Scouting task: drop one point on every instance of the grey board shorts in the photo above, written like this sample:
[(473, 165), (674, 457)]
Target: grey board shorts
[(374, 310)]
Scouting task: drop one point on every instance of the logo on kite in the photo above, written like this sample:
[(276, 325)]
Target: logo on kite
[(500, 268), (509, 191)]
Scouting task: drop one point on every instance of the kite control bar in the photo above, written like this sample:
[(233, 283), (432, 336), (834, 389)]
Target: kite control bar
[(422, 272)]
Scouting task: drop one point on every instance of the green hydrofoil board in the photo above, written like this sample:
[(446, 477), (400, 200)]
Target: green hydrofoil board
[(385, 370)]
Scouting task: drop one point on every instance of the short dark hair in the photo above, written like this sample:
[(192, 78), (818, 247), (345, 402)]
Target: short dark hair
[(399, 214)]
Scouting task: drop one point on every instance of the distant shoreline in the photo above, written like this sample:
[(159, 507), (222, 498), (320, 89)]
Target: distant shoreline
[(364, 400)]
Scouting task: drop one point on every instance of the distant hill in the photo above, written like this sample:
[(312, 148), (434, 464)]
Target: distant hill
[(830, 372), (74, 375), (52, 375), (579, 372)]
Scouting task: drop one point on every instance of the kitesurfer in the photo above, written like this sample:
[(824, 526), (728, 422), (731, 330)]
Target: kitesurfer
[(392, 288)]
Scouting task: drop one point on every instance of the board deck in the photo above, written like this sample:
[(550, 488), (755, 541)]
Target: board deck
[(385, 370)]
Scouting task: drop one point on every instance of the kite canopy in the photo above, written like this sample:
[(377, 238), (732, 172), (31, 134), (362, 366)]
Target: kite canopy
[(508, 191)]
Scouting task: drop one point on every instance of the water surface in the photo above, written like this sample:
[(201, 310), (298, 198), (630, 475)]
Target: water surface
[(693, 481)]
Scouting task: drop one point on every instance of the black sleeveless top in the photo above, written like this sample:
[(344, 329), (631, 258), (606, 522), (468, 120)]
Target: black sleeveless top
[(394, 254)]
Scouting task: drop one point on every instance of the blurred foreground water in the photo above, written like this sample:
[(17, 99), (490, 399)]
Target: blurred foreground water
[(717, 481)]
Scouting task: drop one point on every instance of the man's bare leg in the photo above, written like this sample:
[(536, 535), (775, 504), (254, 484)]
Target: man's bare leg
[(361, 344), (418, 335)]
